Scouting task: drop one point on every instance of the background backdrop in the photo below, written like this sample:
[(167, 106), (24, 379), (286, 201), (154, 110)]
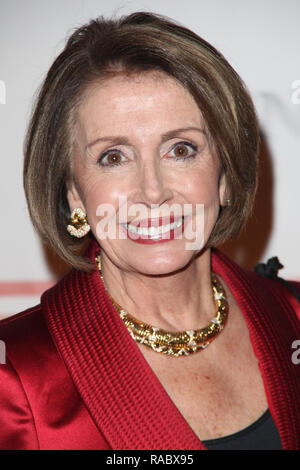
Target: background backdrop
[(260, 38)]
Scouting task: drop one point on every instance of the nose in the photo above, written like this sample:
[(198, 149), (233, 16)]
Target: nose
[(152, 185)]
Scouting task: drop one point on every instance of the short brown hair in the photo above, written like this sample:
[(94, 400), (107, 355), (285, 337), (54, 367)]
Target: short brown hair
[(136, 43)]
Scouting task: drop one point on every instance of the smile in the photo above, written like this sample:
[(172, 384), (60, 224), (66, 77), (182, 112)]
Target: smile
[(152, 231)]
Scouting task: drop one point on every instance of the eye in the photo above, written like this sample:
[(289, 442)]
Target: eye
[(183, 150), (111, 158)]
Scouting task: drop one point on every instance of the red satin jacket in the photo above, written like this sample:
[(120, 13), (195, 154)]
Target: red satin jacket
[(75, 379)]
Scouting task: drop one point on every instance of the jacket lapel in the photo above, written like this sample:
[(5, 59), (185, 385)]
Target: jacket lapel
[(273, 326)]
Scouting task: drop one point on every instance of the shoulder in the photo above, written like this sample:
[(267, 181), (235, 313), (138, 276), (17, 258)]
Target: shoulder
[(272, 289), (27, 343), (284, 291), (17, 321), (25, 339), (24, 330), (27, 346)]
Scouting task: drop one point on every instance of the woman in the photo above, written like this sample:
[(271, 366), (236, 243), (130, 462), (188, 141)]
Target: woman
[(155, 340)]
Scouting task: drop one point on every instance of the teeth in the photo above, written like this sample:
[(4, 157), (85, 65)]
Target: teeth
[(154, 232)]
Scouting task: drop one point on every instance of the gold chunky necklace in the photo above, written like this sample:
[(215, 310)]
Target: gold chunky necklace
[(179, 343)]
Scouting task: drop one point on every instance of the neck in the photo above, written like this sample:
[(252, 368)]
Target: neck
[(177, 301)]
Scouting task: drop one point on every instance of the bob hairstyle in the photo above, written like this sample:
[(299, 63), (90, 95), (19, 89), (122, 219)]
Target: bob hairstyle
[(136, 43)]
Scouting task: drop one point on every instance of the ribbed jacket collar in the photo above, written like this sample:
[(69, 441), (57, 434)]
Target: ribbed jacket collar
[(123, 395)]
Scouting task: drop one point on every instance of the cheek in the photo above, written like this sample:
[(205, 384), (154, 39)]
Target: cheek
[(102, 202), (202, 189)]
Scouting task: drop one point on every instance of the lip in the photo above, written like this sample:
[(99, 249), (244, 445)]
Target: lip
[(173, 234)]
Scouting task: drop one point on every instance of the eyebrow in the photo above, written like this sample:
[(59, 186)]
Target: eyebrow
[(120, 140), (175, 132)]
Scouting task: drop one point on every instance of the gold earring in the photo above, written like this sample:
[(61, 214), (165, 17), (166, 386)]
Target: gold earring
[(78, 226)]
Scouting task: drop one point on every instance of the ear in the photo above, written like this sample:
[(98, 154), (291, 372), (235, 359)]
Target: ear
[(73, 196), (223, 192)]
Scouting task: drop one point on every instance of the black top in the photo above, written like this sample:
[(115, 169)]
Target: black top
[(260, 435)]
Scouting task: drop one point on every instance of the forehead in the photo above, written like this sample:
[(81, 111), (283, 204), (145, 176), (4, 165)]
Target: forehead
[(136, 99)]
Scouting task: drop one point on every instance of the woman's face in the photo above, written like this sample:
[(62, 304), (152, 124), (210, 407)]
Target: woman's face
[(141, 149)]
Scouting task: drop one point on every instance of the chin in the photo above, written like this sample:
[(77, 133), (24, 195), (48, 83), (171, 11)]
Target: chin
[(163, 264)]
